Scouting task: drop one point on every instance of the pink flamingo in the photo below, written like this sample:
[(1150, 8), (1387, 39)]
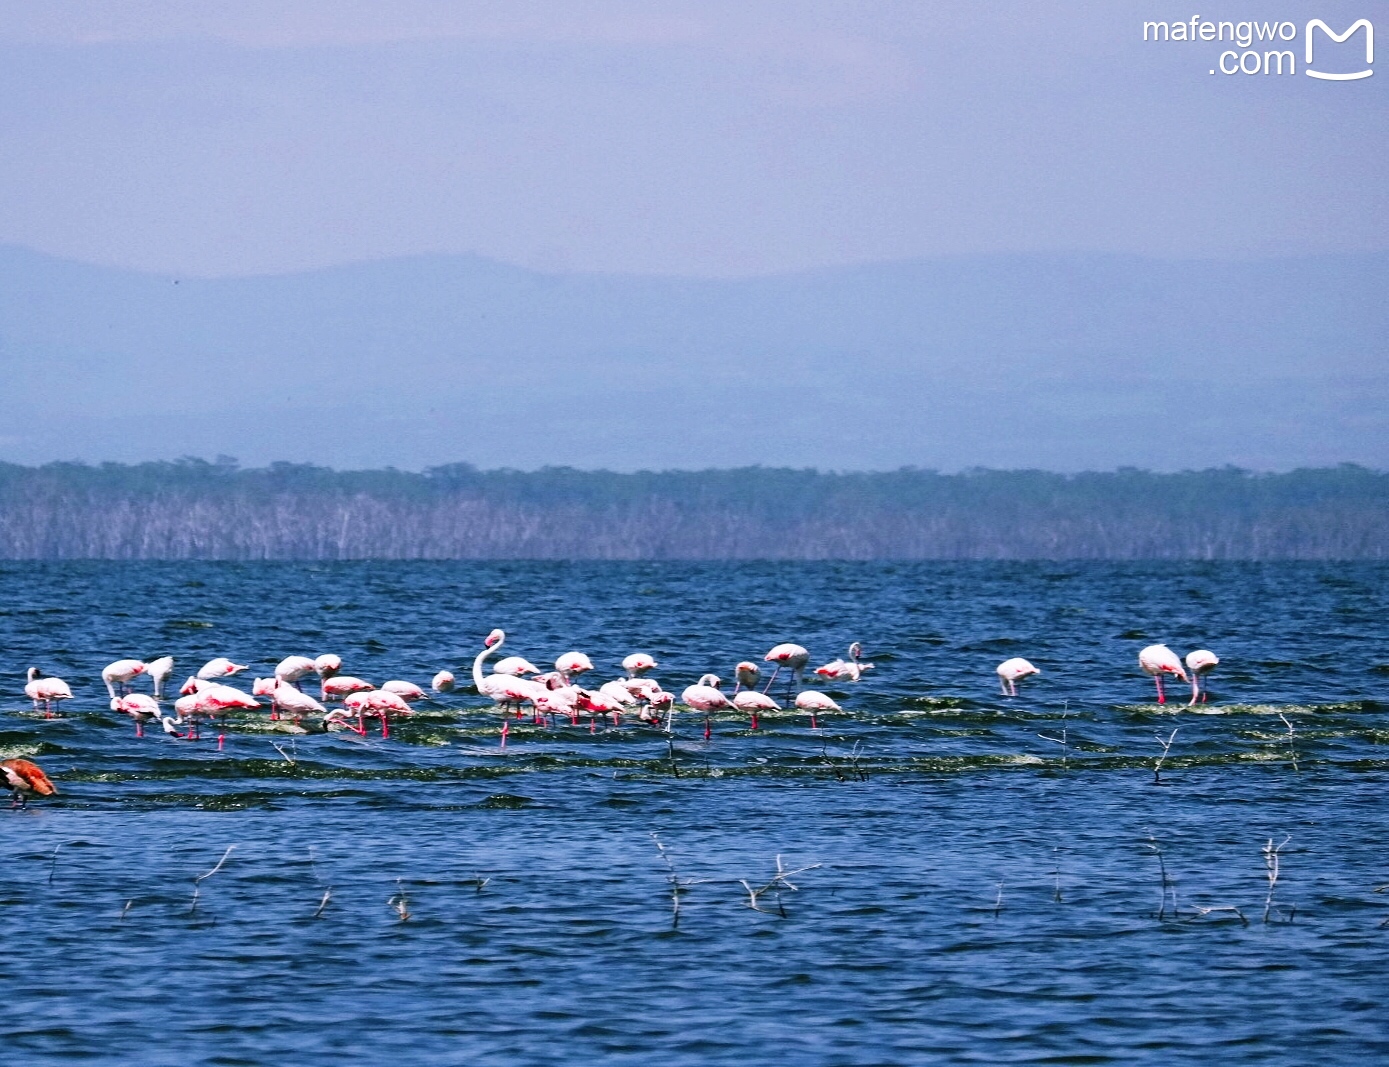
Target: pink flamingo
[(850, 669), (292, 668), (601, 703), (1157, 660), (1200, 663), (504, 689), (46, 691), (792, 657), (572, 663), (1011, 672), (812, 700), (515, 665), (638, 663), (343, 685), (443, 682), (120, 674), (285, 696), (751, 701), (221, 667), (705, 696), (139, 707), (377, 702), (407, 691), (746, 674)]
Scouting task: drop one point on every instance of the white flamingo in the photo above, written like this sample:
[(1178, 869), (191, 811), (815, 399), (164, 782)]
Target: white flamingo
[(1011, 672), (118, 675), (812, 700), (292, 668), (746, 675), (221, 667), (572, 663), (46, 691), (504, 689), (1200, 663), (160, 670), (751, 701), (792, 657), (139, 707), (850, 669), (638, 663), (705, 696), (1157, 660)]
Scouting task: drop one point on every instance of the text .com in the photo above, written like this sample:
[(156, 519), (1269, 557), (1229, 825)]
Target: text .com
[(1258, 46)]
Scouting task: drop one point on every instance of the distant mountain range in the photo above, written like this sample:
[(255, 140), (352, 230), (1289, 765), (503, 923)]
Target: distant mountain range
[(1065, 362)]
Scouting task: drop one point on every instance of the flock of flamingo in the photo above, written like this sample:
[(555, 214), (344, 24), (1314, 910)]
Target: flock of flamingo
[(512, 683)]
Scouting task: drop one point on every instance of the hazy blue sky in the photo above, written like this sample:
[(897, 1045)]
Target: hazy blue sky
[(703, 138)]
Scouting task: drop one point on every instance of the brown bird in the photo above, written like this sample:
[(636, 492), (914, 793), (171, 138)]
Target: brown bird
[(25, 777)]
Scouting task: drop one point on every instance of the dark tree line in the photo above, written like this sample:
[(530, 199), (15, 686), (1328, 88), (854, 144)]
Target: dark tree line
[(192, 509)]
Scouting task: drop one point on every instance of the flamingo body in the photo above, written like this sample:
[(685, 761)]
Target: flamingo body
[(292, 668), (160, 671), (342, 685), (517, 665), (1157, 660), (405, 690), (1012, 671), (119, 675), (221, 667), (638, 663), (1200, 663), (705, 695), (45, 691), (443, 682)]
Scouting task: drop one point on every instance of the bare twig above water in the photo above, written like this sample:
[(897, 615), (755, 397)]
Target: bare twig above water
[(1168, 885), (198, 881), (1166, 748), (1292, 737), (678, 885), (1273, 869), (781, 880), (400, 902)]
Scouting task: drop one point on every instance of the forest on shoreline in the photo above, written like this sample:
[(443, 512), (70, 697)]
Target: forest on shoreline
[(195, 509)]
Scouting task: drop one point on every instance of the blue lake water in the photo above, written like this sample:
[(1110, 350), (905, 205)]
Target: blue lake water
[(976, 892)]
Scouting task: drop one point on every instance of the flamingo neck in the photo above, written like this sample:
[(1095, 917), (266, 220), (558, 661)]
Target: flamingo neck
[(481, 656)]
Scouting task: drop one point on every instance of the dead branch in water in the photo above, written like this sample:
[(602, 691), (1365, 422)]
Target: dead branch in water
[(678, 885), (1273, 867), (1166, 748), (1168, 885), (197, 882), (780, 880)]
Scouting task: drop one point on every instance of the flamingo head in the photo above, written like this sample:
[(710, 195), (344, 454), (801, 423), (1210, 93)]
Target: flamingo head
[(32, 674), (496, 637), (713, 681), (855, 651)]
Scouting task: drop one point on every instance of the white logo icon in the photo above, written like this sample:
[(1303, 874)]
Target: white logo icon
[(1339, 38)]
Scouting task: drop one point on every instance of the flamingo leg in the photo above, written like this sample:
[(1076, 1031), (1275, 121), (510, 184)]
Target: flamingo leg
[(707, 728), (754, 720), (1162, 697), (1195, 688), (505, 726), (772, 678)]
